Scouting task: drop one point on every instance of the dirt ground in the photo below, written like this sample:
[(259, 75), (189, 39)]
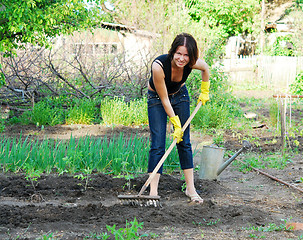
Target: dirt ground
[(237, 205)]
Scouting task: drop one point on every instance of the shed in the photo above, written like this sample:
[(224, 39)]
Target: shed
[(110, 38)]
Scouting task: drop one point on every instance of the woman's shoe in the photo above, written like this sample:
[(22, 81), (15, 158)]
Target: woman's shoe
[(195, 198)]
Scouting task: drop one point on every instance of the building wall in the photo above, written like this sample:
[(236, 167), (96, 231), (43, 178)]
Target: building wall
[(134, 46)]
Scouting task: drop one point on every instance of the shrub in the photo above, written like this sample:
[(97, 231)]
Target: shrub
[(297, 86), (222, 105), (83, 112), (43, 114), (212, 116), (117, 111)]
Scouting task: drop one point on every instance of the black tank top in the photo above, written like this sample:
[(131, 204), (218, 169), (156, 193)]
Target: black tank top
[(172, 87)]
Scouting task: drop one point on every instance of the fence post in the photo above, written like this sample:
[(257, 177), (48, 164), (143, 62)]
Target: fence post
[(282, 110), (283, 127)]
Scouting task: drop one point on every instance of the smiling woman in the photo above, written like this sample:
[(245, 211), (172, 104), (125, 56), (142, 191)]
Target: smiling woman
[(168, 96)]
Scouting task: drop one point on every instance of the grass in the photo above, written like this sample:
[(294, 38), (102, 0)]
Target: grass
[(275, 161)]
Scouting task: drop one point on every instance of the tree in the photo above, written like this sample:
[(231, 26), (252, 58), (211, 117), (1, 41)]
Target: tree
[(229, 17), (38, 21)]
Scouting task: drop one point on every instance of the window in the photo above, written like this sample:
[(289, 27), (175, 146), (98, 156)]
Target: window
[(95, 48)]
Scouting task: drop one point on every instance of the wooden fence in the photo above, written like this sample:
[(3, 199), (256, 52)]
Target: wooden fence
[(276, 72)]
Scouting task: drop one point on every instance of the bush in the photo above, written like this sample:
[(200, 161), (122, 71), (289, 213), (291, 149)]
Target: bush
[(297, 86), (83, 112), (212, 116), (43, 114), (117, 111), (283, 46), (222, 105), (2, 125)]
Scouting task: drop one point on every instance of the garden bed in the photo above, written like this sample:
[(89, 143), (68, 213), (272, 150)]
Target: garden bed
[(237, 206)]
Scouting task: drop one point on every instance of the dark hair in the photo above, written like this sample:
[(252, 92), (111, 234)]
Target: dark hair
[(187, 40)]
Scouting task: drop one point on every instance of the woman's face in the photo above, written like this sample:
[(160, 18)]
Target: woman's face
[(181, 57)]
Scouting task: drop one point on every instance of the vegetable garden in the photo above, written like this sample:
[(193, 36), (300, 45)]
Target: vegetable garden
[(74, 127)]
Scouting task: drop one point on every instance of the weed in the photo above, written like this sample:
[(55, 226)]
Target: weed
[(83, 112), (128, 178), (32, 176), (87, 171), (262, 161), (43, 114), (211, 222), (101, 236), (2, 125), (197, 223), (297, 86), (219, 140), (118, 111), (251, 235), (271, 227), (48, 236), (130, 232)]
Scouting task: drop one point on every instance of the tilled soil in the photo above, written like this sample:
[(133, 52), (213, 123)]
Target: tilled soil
[(233, 204), (237, 205)]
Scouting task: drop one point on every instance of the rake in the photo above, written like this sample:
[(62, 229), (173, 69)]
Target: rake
[(146, 200)]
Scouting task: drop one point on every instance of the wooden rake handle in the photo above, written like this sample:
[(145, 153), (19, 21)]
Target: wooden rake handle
[(152, 175)]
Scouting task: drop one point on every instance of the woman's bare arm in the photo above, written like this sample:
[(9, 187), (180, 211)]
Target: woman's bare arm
[(202, 65), (159, 82)]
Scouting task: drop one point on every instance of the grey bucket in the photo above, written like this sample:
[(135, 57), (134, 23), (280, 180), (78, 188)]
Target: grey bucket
[(211, 161)]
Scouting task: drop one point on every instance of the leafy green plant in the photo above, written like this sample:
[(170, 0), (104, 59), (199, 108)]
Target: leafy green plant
[(252, 235), (228, 18), (211, 222), (280, 46), (297, 86), (218, 139), (270, 227), (84, 176), (83, 112), (212, 116), (101, 236), (33, 176), (130, 232), (2, 125), (118, 112), (273, 113), (222, 104), (43, 114), (34, 22), (48, 236), (259, 161)]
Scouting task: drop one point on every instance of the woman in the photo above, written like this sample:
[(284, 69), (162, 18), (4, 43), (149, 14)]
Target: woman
[(168, 96)]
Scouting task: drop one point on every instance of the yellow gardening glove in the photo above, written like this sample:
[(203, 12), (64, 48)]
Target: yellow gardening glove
[(204, 95), (178, 133)]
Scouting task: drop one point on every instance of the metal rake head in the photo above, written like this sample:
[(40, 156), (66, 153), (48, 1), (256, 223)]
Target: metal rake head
[(140, 200)]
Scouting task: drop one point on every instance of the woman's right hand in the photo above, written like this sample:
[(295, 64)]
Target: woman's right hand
[(178, 133)]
